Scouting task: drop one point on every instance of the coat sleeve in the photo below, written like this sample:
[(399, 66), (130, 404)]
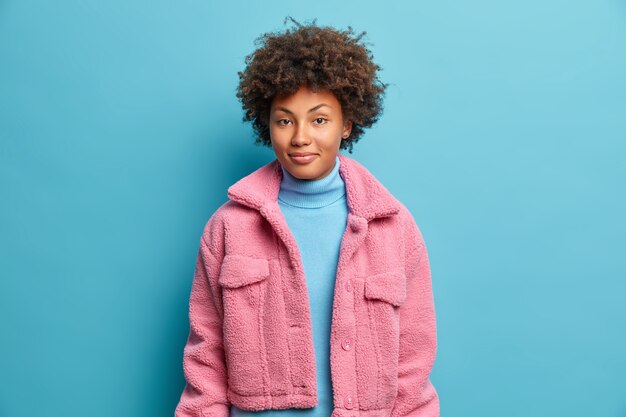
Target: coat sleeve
[(203, 357), (416, 396)]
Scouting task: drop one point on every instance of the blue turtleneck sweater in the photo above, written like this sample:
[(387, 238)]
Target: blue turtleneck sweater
[(316, 212)]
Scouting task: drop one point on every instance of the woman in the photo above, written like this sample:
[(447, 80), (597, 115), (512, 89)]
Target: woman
[(312, 290)]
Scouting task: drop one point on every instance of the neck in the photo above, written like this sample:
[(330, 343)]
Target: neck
[(312, 193)]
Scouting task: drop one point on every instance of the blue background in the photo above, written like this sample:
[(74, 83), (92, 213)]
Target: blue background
[(504, 132)]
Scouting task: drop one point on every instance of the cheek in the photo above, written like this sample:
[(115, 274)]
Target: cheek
[(280, 142), (332, 138)]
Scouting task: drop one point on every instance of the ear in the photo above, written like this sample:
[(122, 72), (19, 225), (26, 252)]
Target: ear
[(347, 128)]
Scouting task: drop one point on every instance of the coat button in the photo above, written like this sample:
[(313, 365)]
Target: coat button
[(349, 285), (347, 402), (346, 344)]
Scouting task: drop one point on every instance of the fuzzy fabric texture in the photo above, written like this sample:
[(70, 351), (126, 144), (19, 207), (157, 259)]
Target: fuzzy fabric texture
[(250, 339)]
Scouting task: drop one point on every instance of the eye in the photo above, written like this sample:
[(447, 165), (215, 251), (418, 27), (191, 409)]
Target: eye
[(282, 120), (321, 118)]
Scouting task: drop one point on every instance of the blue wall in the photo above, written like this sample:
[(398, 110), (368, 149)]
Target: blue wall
[(504, 132)]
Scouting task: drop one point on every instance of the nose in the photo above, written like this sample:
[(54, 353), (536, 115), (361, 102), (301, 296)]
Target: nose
[(300, 136)]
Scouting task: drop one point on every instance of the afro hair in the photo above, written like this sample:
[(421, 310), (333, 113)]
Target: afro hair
[(322, 58)]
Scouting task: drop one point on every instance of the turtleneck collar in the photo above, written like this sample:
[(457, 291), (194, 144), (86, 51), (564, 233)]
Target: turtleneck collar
[(312, 193)]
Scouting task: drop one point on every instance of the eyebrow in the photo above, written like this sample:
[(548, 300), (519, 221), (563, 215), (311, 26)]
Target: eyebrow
[(310, 110)]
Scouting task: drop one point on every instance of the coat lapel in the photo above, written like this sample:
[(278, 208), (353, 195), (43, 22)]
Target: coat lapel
[(367, 199), (366, 196)]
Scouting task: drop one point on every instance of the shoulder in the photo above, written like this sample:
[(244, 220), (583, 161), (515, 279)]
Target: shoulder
[(378, 191), (213, 233), (410, 228), (226, 215)]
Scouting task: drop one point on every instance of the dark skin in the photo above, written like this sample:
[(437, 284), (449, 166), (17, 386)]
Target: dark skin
[(308, 122)]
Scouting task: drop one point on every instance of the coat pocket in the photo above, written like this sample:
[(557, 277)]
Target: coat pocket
[(387, 286), (243, 281), (384, 294)]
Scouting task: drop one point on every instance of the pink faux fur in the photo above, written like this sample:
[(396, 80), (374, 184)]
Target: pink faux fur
[(250, 340)]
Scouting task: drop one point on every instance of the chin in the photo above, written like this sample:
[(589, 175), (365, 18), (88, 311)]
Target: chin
[(303, 173), (303, 176)]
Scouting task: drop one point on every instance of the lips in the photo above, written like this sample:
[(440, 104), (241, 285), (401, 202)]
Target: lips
[(302, 158)]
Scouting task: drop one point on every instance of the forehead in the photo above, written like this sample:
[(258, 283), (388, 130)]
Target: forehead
[(306, 98)]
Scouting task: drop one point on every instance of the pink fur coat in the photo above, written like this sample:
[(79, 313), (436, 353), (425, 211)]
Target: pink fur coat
[(250, 340)]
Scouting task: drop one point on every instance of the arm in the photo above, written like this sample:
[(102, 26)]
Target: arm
[(203, 358), (417, 396)]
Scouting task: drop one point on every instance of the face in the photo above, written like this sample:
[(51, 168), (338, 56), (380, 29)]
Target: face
[(306, 130)]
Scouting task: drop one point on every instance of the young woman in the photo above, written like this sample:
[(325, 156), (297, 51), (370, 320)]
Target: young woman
[(312, 290)]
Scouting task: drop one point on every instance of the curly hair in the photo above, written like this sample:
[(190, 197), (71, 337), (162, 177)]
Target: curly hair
[(322, 58)]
